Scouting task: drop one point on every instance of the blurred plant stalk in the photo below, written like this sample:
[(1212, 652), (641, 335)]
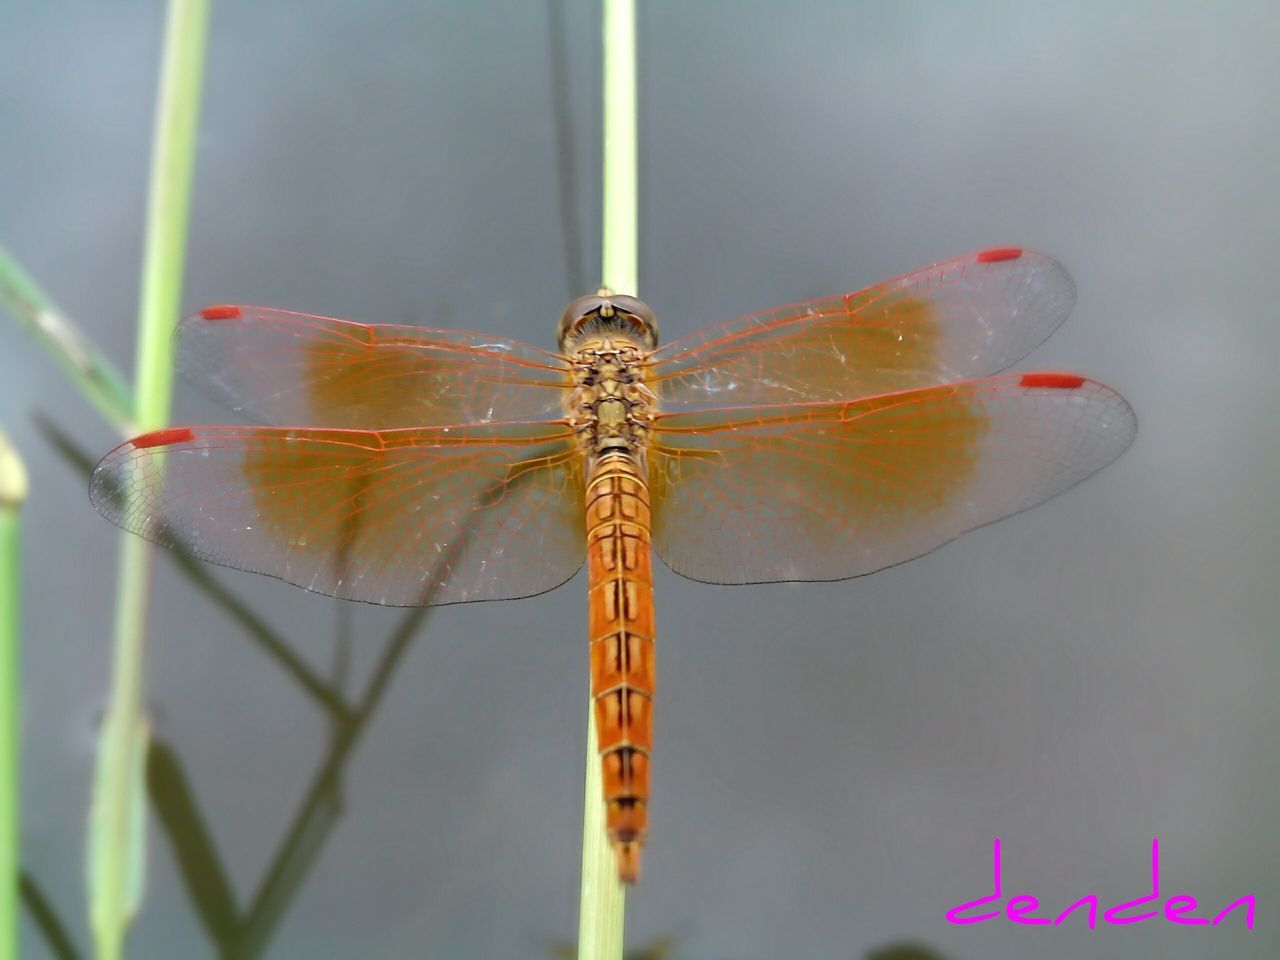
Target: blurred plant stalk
[(602, 899), (117, 844), (95, 375), (13, 493)]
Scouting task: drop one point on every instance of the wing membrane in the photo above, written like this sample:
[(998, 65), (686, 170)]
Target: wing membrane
[(279, 367), (959, 320), (827, 491), (401, 517)]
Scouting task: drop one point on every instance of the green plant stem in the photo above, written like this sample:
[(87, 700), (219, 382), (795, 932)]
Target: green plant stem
[(168, 204), (602, 902), (116, 844), (620, 230), (96, 377), (13, 491)]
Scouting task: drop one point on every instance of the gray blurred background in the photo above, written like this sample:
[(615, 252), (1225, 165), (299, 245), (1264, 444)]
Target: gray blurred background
[(833, 761)]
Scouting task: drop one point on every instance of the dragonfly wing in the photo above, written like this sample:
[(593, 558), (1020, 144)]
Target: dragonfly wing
[(959, 320), (416, 517), (827, 491), (279, 367)]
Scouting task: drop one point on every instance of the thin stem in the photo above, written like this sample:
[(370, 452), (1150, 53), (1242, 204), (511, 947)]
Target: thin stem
[(619, 262), (602, 903), (13, 491), (93, 373), (602, 899), (116, 845), (168, 204)]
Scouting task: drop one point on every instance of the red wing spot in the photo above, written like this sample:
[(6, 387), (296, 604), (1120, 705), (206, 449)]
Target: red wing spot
[(999, 253), (162, 438), (1054, 381), (221, 313)]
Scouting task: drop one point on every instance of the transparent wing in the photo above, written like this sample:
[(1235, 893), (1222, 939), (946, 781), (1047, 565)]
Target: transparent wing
[(827, 491), (278, 367), (966, 318), (401, 517)]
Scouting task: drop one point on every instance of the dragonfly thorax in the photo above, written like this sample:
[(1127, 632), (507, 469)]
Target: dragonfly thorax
[(611, 407)]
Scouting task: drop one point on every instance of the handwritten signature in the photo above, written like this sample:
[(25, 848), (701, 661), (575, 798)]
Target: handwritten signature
[(1022, 907)]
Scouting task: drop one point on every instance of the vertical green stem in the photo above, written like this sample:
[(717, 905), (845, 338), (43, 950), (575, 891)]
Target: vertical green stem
[(602, 901), (13, 491), (619, 263), (168, 203), (116, 842)]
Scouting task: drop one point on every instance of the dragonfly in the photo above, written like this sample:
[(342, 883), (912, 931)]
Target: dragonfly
[(409, 466)]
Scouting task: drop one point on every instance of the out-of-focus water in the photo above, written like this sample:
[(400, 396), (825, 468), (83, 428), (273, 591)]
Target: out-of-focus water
[(832, 761)]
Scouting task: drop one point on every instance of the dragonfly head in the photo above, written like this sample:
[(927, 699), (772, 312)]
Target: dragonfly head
[(605, 312)]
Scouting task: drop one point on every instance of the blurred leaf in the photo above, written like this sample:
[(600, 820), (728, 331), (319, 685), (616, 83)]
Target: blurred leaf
[(661, 948), (87, 367), (46, 920), (198, 861), (904, 951), (64, 446)]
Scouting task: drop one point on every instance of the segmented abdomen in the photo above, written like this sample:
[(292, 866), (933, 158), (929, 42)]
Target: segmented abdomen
[(620, 614)]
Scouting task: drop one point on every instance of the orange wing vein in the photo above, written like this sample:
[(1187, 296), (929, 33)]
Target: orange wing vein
[(826, 491), (414, 517), (959, 320), (281, 368)]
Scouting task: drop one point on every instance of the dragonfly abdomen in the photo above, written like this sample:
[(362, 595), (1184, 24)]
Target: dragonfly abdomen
[(621, 634)]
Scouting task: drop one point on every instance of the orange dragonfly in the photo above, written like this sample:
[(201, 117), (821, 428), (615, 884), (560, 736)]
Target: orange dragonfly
[(818, 441)]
